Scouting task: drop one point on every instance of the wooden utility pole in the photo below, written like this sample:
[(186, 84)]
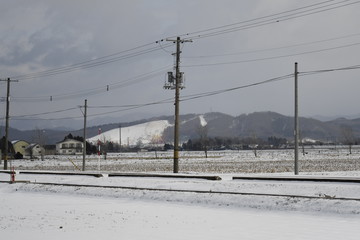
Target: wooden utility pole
[(6, 147), (119, 137), (177, 109), (296, 123), (84, 136), (178, 79)]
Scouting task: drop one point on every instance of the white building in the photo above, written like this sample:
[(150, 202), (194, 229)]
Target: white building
[(34, 150), (69, 147)]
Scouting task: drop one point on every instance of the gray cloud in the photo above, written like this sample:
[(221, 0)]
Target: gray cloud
[(51, 34)]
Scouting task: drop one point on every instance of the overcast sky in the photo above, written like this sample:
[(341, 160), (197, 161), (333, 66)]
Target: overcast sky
[(127, 67)]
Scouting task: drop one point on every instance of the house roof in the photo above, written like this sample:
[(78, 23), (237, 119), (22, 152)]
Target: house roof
[(16, 141), (32, 145), (69, 140)]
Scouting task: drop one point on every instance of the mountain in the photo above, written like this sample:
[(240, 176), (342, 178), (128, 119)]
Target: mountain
[(259, 124)]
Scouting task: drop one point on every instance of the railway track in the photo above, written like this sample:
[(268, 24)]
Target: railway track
[(201, 191), (205, 177), (322, 197)]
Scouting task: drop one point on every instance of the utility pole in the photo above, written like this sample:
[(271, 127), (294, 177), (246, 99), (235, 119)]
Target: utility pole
[(99, 149), (119, 137), (7, 122), (178, 82), (84, 135), (296, 122)]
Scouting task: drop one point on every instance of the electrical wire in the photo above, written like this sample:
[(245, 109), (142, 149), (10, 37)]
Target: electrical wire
[(295, 13), (90, 63), (212, 93), (329, 70), (165, 101), (115, 56), (94, 91), (220, 28), (271, 58), (133, 105), (209, 32), (124, 108), (274, 48), (184, 98), (269, 19)]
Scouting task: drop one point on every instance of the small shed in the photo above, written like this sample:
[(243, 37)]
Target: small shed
[(34, 150)]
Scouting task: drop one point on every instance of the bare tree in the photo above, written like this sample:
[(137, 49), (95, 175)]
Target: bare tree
[(39, 138), (348, 135), (203, 134), (103, 145), (254, 143)]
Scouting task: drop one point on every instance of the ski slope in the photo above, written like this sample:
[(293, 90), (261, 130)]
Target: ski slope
[(145, 133)]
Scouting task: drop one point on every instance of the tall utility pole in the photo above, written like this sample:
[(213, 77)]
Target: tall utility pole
[(119, 137), (178, 79), (7, 122), (84, 135), (296, 122)]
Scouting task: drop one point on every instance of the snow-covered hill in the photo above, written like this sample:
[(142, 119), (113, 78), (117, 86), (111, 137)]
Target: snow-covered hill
[(145, 133)]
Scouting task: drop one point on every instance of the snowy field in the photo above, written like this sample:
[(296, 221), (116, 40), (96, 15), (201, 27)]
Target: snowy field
[(36, 211), (325, 159)]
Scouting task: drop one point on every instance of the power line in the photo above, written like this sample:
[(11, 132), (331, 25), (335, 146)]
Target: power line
[(165, 101), (46, 113), (275, 48), (128, 107), (329, 70), (124, 108), (92, 63), (169, 100), (328, 5), (270, 19), (220, 28), (212, 93), (93, 91), (274, 57)]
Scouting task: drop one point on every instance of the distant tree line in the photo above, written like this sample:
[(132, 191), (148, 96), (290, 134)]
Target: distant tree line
[(234, 143)]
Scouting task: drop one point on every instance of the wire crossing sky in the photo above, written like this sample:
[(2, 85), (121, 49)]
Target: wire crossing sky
[(115, 53)]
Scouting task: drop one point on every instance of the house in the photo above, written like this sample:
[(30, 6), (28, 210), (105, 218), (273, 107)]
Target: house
[(20, 146), (69, 147), (34, 150)]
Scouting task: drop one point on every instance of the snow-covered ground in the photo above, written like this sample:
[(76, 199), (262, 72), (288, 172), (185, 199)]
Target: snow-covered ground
[(57, 215), (325, 159), (35, 211)]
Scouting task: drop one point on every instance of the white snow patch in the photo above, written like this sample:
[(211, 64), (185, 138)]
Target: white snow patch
[(202, 121), (146, 133)]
